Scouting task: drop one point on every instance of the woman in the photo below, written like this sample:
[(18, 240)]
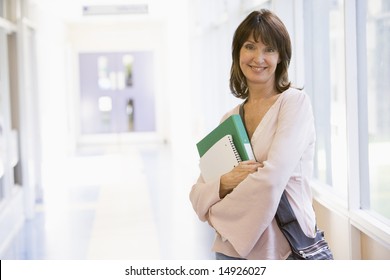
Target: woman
[(241, 205)]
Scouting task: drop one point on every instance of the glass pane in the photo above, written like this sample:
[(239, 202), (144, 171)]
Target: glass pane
[(127, 61), (338, 101), (2, 151), (1, 185), (105, 80), (2, 118), (1, 8), (378, 97), (325, 82)]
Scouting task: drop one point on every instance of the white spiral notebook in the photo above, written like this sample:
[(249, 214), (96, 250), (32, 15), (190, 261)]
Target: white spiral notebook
[(219, 159)]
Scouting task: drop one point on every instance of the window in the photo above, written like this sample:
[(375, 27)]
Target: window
[(378, 104), (337, 92), (1, 8), (117, 92), (325, 83), (3, 91)]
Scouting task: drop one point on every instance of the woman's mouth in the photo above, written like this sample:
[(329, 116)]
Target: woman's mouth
[(257, 68)]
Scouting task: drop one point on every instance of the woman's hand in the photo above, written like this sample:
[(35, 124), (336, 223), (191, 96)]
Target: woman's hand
[(234, 177)]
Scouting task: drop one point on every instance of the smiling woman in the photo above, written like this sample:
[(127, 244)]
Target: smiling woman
[(271, 36), (242, 203)]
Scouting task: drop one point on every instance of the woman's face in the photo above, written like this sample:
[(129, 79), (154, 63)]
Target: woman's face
[(258, 62)]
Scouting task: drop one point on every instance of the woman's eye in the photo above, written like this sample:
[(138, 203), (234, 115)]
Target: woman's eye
[(249, 47), (270, 49)]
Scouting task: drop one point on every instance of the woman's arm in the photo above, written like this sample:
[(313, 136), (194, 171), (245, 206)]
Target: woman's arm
[(203, 196), (232, 179)]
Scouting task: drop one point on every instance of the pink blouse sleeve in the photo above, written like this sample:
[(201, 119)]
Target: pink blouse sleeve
[(243, 215), (203, 196)]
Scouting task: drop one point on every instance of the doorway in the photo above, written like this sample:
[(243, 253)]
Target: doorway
[(117, 93)]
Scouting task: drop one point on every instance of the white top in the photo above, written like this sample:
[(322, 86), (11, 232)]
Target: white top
[(245, 219)]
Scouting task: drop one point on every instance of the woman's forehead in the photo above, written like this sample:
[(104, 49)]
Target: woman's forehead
[(262, 36), (257, 39)]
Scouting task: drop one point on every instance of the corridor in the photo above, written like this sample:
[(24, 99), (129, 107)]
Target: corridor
[(117, 202), (102, 103)]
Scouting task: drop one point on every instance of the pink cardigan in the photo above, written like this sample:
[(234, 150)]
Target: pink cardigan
[(244, 220)]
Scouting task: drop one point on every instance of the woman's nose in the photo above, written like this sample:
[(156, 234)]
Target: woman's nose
[(258, 56)]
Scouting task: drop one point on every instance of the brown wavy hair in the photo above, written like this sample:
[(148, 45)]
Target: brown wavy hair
[(266, 27)]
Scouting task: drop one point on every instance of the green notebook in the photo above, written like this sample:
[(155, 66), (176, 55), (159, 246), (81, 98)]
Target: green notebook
[(233, 126)]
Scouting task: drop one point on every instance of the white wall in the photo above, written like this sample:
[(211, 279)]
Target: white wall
[(52, 84)]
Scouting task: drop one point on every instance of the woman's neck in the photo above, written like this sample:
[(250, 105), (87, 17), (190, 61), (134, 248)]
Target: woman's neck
[(260, 93)]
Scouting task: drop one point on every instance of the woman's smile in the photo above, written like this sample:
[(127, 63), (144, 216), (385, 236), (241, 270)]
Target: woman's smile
[(258, 69)]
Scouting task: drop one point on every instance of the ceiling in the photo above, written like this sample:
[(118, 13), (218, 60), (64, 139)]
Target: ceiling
[(72, 10)]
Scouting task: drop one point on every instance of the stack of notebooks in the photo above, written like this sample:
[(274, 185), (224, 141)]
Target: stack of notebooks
[(223, 148)]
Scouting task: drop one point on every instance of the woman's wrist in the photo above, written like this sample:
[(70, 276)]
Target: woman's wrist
[(223, 188)]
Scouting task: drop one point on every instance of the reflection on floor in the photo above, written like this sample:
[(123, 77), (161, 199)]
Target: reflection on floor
[(124, 203)]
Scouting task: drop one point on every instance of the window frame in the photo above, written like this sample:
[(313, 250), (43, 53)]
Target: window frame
[(356, 207)]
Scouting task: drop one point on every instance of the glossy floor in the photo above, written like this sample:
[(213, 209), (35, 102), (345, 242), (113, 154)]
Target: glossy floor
[(125, 202)]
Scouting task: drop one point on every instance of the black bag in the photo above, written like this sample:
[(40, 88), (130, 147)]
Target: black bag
[(302, 247)]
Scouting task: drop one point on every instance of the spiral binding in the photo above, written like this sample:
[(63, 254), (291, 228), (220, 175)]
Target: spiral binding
[(238, 157)]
